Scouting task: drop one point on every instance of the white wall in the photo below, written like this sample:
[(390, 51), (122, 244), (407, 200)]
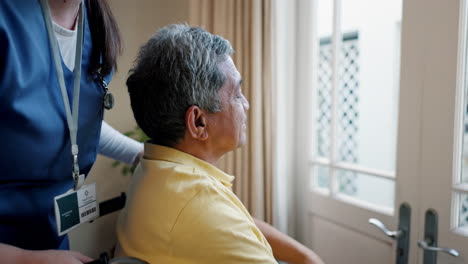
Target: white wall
[(138, 20)]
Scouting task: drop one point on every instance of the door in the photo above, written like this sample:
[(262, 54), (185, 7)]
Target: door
[(444, 130), (386, 104)]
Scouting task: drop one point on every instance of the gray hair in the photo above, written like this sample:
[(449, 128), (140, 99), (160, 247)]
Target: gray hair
[(175, 69)]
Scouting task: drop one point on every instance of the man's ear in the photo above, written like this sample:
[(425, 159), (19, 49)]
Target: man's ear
[(195, 121)]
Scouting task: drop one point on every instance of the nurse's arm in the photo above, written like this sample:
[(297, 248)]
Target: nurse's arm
[(14, 255)]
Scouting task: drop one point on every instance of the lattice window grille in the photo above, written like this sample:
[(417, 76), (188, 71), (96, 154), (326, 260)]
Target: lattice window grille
[(348, 99), (463, 218), (464, 212)]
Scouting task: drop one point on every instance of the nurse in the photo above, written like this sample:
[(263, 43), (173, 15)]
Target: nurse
[(52, 102)]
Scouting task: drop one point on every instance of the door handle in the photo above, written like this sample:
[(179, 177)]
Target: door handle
[(391, 234), (401, 236), (424, 245), (429, 244)]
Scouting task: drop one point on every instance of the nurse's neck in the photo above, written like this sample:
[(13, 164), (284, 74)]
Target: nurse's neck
[(64, 12)]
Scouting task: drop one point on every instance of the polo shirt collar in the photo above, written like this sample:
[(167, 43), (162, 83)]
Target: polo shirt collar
[(158, 152)]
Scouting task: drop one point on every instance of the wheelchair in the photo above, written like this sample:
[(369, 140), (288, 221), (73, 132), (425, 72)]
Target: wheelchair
[(105, 208)]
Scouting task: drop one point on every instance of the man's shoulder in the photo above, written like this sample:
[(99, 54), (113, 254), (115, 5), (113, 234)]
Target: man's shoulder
[(166, 173), (162, 186), (159, 192), (211, 205), (187, 191)]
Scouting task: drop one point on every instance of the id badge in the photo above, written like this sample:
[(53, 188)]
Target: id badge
[(75, 207)]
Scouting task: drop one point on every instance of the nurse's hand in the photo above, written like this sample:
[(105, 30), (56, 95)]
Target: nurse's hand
[(58, 256), (14, 255)]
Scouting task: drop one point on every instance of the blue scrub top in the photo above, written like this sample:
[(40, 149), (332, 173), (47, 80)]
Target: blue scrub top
[(35, 157)]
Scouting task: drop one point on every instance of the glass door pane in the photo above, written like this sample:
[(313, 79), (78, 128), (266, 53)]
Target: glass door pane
[(356, 99), (369, 83)]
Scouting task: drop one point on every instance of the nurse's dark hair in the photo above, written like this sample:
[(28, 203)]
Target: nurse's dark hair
[(107, 44)]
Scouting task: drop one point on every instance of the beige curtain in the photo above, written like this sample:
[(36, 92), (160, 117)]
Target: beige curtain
[(246, 24)]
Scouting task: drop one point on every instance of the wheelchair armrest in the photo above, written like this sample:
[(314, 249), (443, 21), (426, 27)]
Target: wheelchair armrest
[(112, 205)]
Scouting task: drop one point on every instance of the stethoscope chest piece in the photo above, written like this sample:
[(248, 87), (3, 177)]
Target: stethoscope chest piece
[(108, 101)]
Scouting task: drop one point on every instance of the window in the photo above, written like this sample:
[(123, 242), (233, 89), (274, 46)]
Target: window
[(356, 100)]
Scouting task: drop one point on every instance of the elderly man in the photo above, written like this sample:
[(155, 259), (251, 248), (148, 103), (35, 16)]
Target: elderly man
[(186, 95)]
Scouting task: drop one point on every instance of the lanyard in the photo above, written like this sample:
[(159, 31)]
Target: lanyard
[(72, 116)]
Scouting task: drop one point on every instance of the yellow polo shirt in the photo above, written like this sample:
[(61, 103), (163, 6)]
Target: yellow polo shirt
[(181, 209)]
